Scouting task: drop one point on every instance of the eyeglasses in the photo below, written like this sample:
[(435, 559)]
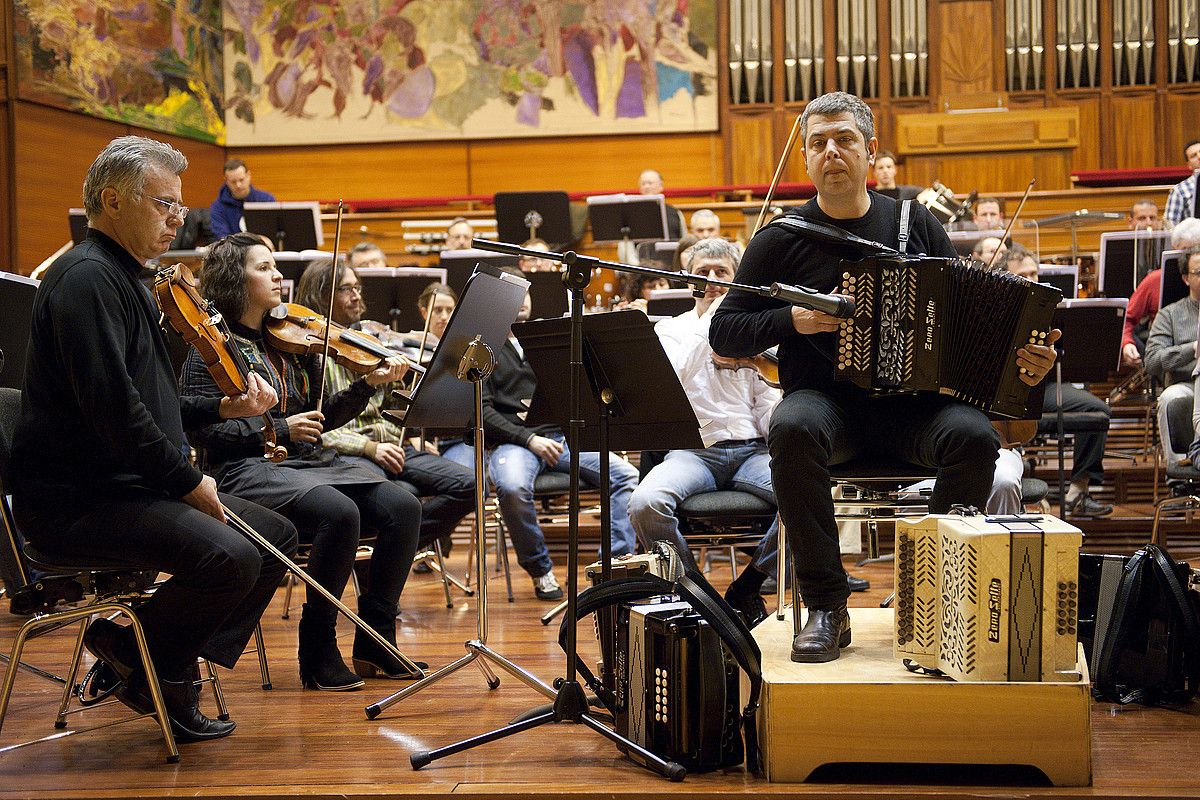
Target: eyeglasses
[(355, 289), (174, 209)]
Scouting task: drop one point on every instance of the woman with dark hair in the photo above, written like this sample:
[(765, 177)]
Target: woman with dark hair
[(328, 496)]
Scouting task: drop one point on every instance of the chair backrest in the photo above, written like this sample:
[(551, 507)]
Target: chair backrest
[(13, 570), (1179, 424)]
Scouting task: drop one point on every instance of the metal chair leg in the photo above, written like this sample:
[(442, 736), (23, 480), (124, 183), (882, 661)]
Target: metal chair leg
[(264, 668), (733, 561), (287, 595), (64, 706), (502, 556), (441, 568), (214, 680)]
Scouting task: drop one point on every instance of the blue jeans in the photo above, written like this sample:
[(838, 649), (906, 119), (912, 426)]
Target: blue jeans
[(513, 468), (743, 467)]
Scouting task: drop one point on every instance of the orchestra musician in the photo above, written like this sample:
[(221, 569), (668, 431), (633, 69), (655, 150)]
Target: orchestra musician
[(1181, 201), (331, 497), (885, 178), (100, 465), (1145, 300), (1171, 349), (449, 487), (820, 422)]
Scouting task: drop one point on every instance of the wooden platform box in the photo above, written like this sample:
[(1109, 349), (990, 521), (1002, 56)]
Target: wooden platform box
[(867, 708)]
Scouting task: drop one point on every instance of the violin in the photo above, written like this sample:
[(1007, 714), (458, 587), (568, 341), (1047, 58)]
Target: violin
[(201, 326), (766, 364), (293, 328)]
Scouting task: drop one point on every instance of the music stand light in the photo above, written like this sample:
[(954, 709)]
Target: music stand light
[(548, 213), (290, 224)]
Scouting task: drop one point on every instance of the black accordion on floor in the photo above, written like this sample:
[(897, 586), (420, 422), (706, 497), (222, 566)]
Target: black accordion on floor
[(942, 325)]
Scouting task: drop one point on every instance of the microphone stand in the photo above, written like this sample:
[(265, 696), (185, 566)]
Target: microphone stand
[(570, 702)]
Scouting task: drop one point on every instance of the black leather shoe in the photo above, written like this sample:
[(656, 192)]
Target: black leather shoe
[(114, 645), (182, 702), (373, 660), (823, 636), (749, 604), (857, 584), (1087, 506)]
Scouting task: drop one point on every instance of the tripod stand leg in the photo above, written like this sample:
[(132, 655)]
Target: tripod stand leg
[(493, 682), (523, 675), (549, 616), (422, 757), (668, 769), (375, 709)]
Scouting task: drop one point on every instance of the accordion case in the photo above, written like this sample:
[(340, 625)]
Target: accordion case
[(942, 325), (677, 686), (988, 598)]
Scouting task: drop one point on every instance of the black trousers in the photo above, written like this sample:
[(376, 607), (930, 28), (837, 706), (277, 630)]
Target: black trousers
[(811, 430), (1088, 457), (221, 582), (334, 517), (449, 487)]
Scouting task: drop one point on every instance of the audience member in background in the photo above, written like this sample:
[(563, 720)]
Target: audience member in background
[(986, 247), (1181, 202), (1143, 216), (705, 224), (989, 214), (367, 254), (885, 178), (651, 182), (1146, 298), (459, 234), (225, 213), (530, 264), (1171, 349)]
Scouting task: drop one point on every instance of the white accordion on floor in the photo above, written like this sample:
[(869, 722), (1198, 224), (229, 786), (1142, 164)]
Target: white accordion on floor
[(988, 598)]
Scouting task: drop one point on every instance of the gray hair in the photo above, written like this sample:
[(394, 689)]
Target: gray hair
[(363, 247), (704, 214), (840, 103), (713, 248), (1186, 234), (123, 165)]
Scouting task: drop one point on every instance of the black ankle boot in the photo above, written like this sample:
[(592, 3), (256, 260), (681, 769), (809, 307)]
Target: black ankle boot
[(182, 702), (823, 636), (370, 658), (321, 665)]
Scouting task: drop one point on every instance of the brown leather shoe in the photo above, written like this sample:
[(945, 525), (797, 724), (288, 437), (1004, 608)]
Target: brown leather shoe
[(823, 636)]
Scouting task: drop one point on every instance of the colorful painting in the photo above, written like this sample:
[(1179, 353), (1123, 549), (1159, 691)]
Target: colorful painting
[(152, 63), (305, 71)]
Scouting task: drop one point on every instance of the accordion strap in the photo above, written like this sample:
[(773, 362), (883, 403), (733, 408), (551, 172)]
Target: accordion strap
[(904, 224)]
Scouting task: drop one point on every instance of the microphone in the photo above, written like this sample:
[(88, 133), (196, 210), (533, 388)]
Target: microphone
[(835, 305)]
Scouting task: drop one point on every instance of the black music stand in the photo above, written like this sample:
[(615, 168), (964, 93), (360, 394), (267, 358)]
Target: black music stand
[(391, 293), (1125, 259), (460, 264), (1172, 288), (549, 296), (16, 309), (1088, 351), (627, 217), (547, 213), (77, 221), (291, 265), (290, 224)]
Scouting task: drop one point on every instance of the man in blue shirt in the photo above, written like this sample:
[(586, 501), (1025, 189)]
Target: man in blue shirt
[(226, 210)]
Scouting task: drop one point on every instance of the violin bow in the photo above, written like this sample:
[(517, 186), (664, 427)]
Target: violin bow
[(337, 242), (787, 151), (1012, 222)]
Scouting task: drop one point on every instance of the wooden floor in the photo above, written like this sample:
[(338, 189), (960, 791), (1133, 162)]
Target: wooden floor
[(292, 742)]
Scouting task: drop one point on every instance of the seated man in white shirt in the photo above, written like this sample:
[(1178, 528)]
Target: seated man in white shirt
[(733, 406)]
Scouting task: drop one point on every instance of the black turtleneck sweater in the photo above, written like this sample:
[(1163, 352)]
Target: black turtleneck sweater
[(100, 409)]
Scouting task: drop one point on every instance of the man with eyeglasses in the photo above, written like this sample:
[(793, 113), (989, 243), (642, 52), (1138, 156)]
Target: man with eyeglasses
[(1171, 349), (449, 487), (100, 463)]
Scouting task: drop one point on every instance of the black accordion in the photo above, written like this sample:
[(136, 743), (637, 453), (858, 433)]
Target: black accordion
[(677, 686), (942, 325)]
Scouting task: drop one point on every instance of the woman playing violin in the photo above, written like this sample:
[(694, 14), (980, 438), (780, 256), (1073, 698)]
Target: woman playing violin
[(328, 496)]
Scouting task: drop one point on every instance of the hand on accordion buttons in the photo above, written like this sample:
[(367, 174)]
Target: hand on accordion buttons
[(1035, 360)]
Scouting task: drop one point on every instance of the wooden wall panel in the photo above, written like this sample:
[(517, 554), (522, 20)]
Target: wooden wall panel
[(963, 46), (1087, 154), (7, 254), (327, 172), (594, 163), (1180, 125), (52, 152), (753, 151), (998, 172), (1134, 135)]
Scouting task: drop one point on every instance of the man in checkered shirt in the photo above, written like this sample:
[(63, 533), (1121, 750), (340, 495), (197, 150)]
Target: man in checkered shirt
[(1181, 202)]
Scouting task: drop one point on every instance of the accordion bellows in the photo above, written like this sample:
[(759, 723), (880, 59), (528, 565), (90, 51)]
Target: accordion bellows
[(988, 598), (942, 325)]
